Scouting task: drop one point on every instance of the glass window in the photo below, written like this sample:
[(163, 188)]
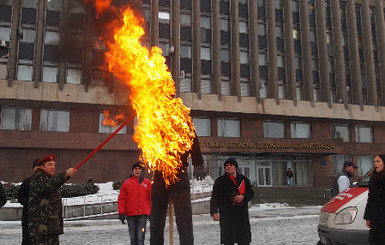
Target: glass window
[(364, 134), (205, 22), (185, 20), (229, 127), (164, 17), (339, 163), (364, 164), (202, 126), (108, 129), (16, 118), (300, 130), (244, 57), (243, 27), (205, 53), (185, 51), (273, 129), (225, 55), (54, 120), (341, 132), (224, 25)]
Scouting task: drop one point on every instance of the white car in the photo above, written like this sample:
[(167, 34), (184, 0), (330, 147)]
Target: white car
[(341, 219)]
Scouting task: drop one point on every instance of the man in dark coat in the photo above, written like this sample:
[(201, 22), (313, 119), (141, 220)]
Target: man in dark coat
[(45, 221), (179, 193), (3, 196), (231, 194), (22, 198)]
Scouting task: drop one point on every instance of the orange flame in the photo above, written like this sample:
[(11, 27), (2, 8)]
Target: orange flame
[(165, 129), (112, 120)]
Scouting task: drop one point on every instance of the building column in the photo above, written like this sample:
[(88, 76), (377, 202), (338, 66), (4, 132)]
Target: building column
[(289, 51), (367, 38), (306, 50), (254, 50), (154, 24), (39, 44), (355, 69), (14, 42), (323, 55), (380, 29), (175, 42), (272, 51), (196, 48), (339, 59), (87, 48), (235, 63), (216, 46), (63, 59)]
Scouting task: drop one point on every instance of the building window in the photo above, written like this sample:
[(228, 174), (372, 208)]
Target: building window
[(364, 164), (300, 130), (229, 127), (16, 118), (364, 134), (341, 132), (108, 129), (339, 163), (54, 120), (202, 126), (273, 129)]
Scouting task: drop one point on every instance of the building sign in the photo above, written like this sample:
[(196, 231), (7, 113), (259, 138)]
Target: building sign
[(269, 145)]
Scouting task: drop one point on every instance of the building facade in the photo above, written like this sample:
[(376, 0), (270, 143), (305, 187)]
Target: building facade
[(275, 83)]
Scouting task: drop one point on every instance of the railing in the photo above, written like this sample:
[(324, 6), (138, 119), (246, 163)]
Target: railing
[(89, 206)]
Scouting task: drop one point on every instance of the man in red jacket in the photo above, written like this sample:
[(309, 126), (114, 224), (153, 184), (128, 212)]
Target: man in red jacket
[(134, 204)]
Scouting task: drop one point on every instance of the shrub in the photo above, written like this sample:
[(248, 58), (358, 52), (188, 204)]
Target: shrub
[(117, 184)]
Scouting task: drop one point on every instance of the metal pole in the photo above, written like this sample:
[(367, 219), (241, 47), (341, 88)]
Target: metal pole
[(171, 222)]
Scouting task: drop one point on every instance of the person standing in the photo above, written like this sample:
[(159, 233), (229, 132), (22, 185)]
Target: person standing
[(45, 221), (179, 193), (289, 177), (230, 196), (375, 206), (134, 204), (22, 198), (3, 196), (342, 181)]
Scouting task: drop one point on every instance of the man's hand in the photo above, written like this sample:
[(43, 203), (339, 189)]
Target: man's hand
[(216, 217), (199, 172), (70, 172), (122, 218)]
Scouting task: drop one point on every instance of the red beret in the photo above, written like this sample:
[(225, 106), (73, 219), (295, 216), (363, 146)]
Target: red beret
[(45, 159)]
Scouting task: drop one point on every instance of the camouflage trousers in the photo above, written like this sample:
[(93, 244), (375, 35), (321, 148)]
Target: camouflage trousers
[(45, 240)]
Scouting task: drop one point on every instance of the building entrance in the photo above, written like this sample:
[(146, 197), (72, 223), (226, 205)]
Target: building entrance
[(263, 173)]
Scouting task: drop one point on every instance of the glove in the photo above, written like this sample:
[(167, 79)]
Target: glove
[(199, 172), (122, 218)]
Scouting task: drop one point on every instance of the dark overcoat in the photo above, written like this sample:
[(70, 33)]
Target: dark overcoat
[(375, 211), (45, 207), (234, 219)]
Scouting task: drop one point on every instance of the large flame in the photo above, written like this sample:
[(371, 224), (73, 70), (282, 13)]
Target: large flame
[(164, 130)]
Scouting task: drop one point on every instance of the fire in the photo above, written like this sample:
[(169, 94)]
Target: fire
[(113, 120), (164, 129)]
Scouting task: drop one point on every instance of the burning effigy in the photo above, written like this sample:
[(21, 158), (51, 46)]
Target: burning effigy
[(164, 130)]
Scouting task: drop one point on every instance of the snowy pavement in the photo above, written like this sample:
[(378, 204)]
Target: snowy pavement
[(273, 224)]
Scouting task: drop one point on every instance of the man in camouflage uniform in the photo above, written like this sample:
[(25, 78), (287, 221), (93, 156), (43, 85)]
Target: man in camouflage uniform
[(45, 222)]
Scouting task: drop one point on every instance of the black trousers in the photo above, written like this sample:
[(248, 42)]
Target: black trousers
[(180, 197)]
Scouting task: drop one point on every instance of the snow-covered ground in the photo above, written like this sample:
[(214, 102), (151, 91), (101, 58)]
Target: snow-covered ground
[(271, 223)]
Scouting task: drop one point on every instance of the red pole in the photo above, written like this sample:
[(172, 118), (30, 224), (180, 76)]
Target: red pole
[(105, 141)]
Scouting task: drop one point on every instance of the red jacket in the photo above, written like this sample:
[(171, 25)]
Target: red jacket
[(135, 198)]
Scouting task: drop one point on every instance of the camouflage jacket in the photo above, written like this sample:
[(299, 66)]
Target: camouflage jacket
[(44, 204)]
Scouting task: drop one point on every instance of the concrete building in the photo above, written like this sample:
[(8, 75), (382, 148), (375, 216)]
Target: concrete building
[(275, 83)]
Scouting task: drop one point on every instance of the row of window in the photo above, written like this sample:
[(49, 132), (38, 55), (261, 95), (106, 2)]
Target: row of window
[(52, 120), (59, 121), (231, 127)]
